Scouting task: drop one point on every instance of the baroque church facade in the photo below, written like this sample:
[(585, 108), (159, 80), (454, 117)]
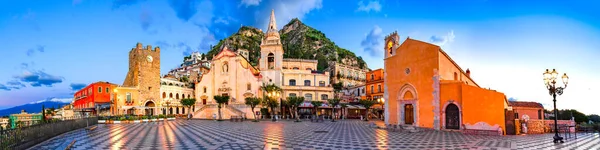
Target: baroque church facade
[(231, 74)]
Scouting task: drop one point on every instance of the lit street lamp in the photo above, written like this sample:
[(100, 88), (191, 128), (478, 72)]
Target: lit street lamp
[(382, 102), (275, 95), (550, 81)]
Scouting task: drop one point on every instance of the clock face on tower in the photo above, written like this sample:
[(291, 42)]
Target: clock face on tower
[(149, 58)]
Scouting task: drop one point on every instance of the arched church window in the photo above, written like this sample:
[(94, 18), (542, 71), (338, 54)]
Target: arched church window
[(164, 95), (170, 95)]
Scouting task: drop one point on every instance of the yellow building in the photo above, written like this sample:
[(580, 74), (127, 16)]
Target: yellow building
[(172, 92), (348, 75), (300, 79), (4, 122)]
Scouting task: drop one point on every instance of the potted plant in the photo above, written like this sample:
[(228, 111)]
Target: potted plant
[(162, 117), (171, 117), (135, 119), (144, 118), (118, 120), (153, 118), (102, 120)]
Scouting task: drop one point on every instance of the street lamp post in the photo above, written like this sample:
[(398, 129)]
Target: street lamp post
[(550, 81), (382, 102), (274, 95)]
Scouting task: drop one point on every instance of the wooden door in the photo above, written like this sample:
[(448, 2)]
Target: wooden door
[(409, 115), (452, 117)]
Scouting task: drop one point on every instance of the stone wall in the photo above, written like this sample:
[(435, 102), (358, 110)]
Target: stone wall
[(535, 126)]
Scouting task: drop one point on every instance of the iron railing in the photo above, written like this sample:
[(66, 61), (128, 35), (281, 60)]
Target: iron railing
[(25, 137)]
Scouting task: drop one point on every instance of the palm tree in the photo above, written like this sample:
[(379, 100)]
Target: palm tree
[(253, 102), (333, 102), (294, 102), (367, 104), (344, 106), (316, 104), (221, 100), (270, 98), (272, 103)]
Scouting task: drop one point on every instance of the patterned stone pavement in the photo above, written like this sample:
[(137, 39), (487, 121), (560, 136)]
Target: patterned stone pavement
[(348, 134)]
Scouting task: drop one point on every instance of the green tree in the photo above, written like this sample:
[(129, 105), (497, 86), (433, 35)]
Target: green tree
[(253, 102), (294, 103), (367, 104), (43, 114), (220, 101), (188, 102), (337, 87), (316, 105), (184, 79), (595, 118), (333, 103)]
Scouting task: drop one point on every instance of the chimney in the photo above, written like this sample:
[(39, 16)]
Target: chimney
[(468, 73), (149, 47), (138, 46)]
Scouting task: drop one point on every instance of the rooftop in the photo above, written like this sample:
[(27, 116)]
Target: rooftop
[(525, 104)]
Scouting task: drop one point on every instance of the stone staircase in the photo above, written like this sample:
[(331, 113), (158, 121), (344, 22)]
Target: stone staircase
[(207, 111)]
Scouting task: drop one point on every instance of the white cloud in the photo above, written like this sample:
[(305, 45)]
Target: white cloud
[(373, 42), (287, 10), (371, 6), (443, 40), (250, 2)]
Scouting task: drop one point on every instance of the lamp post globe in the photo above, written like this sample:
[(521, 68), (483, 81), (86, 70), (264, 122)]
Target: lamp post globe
[(554, 90)]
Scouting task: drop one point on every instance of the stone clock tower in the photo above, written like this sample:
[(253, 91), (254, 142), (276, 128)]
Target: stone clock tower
[(144, 74)]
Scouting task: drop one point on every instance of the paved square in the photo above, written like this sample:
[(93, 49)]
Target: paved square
[(348, 134)]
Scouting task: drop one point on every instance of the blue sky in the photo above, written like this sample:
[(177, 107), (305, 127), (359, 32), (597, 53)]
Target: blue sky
[(51, 48)]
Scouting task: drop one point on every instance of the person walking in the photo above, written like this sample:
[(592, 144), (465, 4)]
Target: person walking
[(189, 116)]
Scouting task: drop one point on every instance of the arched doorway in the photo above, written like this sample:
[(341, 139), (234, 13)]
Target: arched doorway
[(409, 115), (452, 117), (149, 108), (408, 105)]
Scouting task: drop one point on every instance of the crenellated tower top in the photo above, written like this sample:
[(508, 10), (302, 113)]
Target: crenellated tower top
[(391, 44)]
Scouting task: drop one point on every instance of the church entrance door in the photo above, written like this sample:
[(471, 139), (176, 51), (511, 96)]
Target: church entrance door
[(452, 117), (409, 115)]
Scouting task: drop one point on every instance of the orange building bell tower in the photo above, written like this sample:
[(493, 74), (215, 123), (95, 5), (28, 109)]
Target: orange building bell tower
[(391, 44)]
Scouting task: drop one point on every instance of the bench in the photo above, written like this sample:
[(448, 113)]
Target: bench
[(482, 128), (70, 145), (92, 128)]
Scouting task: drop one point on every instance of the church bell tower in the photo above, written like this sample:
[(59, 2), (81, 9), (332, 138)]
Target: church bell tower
[(271, 54)]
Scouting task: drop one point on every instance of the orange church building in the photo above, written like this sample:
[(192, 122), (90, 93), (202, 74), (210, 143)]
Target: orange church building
[(425, 88)]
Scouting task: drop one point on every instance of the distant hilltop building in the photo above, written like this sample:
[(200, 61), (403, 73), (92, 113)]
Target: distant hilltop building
[(191, 69)]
